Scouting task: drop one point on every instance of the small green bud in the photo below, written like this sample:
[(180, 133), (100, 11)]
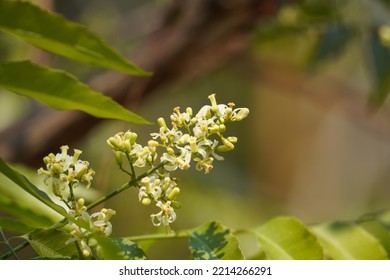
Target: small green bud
[(127, 146), (174, 193), (232, 139), (175, 204), (56, 169), (131, 136), (222, 148), (146, 201), (189, 111), (80, 203), (227, 143), (119, 158), (161, 122), (214, 129), (242, 113), (222, 128), (46, 160), (153, 143), (113, 143)]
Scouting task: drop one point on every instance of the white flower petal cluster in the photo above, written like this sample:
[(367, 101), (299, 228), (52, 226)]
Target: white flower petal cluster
[(191, 138), (163, 191), (64, 172), (97, 223)]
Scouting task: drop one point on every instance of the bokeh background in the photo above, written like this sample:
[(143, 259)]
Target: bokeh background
[(314, 74)]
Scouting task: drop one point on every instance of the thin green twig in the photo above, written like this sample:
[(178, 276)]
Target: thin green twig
[(124, 186), (11, 250)]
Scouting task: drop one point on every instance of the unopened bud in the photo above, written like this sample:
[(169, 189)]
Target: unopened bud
[(161, 122), (131, 136), (227, 143), (241, 114), (119, 158), (175, 204), (232, 139), (174, 193), (56, 168), (146, 201)]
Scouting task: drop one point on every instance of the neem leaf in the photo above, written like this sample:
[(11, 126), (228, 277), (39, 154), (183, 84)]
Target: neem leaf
[(56, 34), (379, 58), (51, 243), (119, 249), (13, 225), (61, 91), (286, 238), (20, 180), (349, 241), (214, 241)]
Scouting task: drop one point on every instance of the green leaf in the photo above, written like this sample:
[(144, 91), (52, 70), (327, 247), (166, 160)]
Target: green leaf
[(51, 243), (330, 43), (20, 180), (25, 213), (214, 241), (286, 238), (56, 34), (119, 249), (349, 241), (13, 225), (379, 58), (61, 91)]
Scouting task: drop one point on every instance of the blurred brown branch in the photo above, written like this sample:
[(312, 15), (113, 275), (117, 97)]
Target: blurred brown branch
[(194, 37)]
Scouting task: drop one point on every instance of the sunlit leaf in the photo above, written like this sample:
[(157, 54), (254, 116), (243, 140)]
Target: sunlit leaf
[(24, 213), (20, 180), (13, 225), (61, 91), (214, 241), (286, 238), (119, 249), (349, 241), (52, 244), (56, 34)]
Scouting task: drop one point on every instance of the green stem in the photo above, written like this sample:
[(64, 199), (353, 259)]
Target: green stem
[(11, 250), (124, 186), (14, 250), (159, 236)]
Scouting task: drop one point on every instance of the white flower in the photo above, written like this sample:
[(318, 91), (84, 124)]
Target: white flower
[(166, 216)]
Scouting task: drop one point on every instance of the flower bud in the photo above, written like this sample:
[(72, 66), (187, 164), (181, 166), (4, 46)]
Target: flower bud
[(232, 139), (189, 111), (56, 169), (227, 143), (131, 136), (222, 128), (174, 193), (146, 201), (161, 122), (241, 114), (153, 143), (119, 158), (175, 204)]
